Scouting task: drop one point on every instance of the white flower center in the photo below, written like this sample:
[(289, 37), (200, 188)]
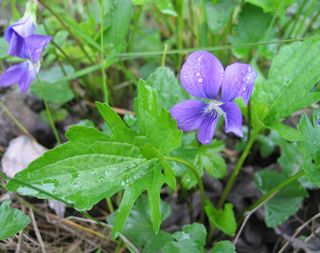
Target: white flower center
[(213, 108)]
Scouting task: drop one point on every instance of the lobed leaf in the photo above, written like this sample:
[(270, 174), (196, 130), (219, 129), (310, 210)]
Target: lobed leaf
[(224, 219)]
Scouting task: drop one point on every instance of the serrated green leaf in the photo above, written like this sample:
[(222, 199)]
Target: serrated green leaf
[(82, 174), (12, 220), (170, 92), (155, 122), (223, 247), (245, 32), (120, 132), (293, 73), (86, 135), (224, 219), (310, 146), (271, 5), (152, 183), (285, 203), (192, 238)]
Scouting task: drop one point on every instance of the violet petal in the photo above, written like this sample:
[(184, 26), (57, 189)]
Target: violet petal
[(207, 128), (232, 118), (17, 46), (201, 75), (238, 82), (22, 74), (34, 46), (188, 114), (24, 27)]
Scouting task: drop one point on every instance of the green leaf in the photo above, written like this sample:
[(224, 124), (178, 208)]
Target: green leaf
[(290, 157), (285, 203), (271, 5), (139, 227), (155, 122), (309, 146), (286, 132), (86, 135), (223, 247), (152, 183), (293, 73), (219, 13), (224, 219), (48, 87), (120, 16), (120, 131), (165, 7), (192, 238), (57, 114), (12, 220), (3, 48), (245, 32), (170, 92), (81, 172), (209, 159)]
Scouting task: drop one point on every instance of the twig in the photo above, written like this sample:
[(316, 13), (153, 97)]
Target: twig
[(36, 230), (298, 230), (254, 207)]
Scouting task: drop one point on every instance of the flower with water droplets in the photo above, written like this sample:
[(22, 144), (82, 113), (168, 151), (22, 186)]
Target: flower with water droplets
[(203, 76)]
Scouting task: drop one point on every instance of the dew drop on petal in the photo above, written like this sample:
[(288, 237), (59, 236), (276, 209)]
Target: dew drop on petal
[(200, 80), (197, 74)]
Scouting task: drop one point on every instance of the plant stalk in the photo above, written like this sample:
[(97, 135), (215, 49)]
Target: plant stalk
[(236, 170), (103, 72), (197, 176)]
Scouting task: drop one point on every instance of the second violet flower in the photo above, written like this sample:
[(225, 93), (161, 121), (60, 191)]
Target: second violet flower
[(203, 76), (24, 44)]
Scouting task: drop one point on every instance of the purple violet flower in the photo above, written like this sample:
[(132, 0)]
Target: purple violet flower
[(16, 34), (203, 76), (22, 40), (23, 74), (24, 44)]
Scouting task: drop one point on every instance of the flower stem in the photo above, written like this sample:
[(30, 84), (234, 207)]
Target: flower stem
[(163, 59), (50, 118), (103, 72), (197, 176), (236, 171), (180, 28), (55, 132)]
